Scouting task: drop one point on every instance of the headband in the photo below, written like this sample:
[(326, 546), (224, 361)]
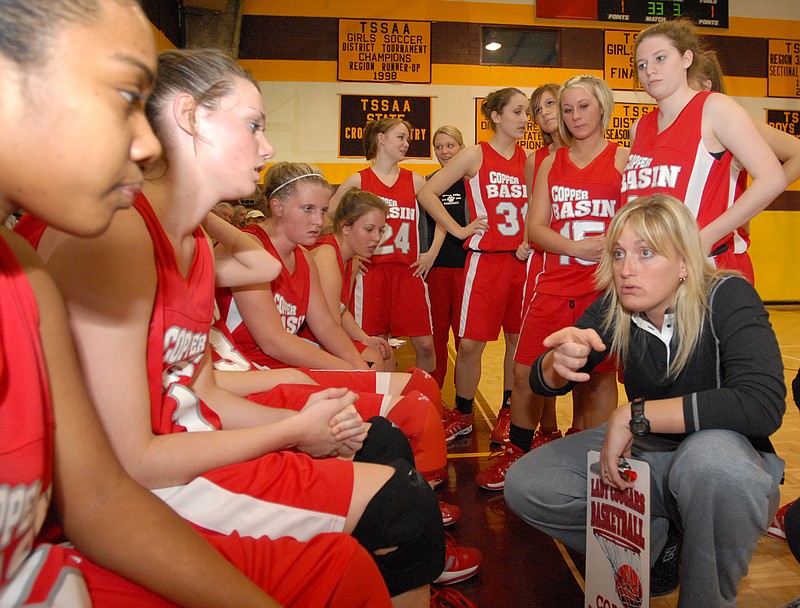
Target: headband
[(294, 179)]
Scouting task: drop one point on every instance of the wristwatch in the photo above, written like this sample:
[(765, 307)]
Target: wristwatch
[(640, 426)]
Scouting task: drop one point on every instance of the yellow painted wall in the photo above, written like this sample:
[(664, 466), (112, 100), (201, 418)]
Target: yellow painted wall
[(302, 97), (775, 251), (303, 116), (162, 42)]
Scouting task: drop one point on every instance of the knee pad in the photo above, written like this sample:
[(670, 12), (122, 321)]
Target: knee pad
[(423, 382), (405, 514), (384, 444)]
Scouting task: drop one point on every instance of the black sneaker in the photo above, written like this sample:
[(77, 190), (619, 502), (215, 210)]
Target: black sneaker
[(665, 573)]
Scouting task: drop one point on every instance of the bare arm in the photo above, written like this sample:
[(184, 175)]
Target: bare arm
[(425, 260), (464, 165), (110, 314), (263, 321), (111, 519), (327, 327), (238, 258), (330, 278), (786, 147), (726, 121)]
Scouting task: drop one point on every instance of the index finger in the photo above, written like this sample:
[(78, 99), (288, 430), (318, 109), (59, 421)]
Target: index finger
[(586, 337)]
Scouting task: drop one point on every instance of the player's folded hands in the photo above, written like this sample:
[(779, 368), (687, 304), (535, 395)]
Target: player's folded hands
[(331, 424)]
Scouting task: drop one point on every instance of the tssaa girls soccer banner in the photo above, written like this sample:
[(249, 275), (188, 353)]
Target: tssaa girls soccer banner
[(618, 538)]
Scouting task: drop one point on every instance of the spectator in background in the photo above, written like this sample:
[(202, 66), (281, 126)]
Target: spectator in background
[(253, 217), (239, 216), (224, 210)]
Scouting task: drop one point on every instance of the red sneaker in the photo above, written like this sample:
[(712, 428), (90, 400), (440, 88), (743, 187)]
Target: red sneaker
[(457, 424), (494, 478), (776, 528), (572, 430), (450, 513), (541, 437), (436, 478), (447, 597), (503, 426), (460, 563)]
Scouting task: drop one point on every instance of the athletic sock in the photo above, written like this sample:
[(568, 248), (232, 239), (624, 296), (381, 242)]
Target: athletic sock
[(522, 438), (506, 400), (464, 405)]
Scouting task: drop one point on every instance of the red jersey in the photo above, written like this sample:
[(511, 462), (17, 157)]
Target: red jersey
[(178, 332), (400, 242), (738, 186), (346, 270), (291, 292), (498, 191), (582, 203), (26, 419), (539, 155), (677, 162)]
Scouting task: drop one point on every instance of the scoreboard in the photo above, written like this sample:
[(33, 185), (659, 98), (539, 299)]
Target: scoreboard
[(704, 13)]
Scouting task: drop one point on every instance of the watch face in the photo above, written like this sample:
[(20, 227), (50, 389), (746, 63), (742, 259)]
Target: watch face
[(639, 427)]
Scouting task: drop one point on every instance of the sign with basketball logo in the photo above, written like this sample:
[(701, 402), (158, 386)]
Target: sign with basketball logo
[(617, 538)]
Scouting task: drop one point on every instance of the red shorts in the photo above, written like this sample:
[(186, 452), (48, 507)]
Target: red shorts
[(736, 261), (295, 396), (446, 289), (389, 300), (547, 314), (279, 494), (294, 573), (493, 285)]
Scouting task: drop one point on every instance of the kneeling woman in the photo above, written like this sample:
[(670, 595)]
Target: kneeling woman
[(701, 359)]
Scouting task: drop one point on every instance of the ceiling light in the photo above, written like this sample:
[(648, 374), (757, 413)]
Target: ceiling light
[(492, 42)]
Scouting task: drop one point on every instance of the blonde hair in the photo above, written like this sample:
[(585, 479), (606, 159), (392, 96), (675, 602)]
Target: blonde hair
[(450, 130), (668, 228), (282, 180), (598, 89)]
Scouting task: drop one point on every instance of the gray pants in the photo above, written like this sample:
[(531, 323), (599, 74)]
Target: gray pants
[(714, 485)]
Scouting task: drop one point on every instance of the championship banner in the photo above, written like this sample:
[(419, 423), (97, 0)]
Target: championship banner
[(617, 538), (619, 67), (384, 51), (783, 64), (483, 132), (622, 118), (787, 121), (357, 110)]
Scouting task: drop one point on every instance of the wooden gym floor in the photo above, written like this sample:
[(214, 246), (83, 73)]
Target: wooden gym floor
[(524, 568)]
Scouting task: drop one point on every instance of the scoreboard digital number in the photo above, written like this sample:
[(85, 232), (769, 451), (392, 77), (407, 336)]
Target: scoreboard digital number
[(705, 13)]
